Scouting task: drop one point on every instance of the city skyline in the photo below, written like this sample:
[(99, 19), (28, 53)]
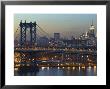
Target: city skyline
[(66, 24), (44, 49)]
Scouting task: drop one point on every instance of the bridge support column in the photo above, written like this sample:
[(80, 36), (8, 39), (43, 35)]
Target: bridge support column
[(23, 28)]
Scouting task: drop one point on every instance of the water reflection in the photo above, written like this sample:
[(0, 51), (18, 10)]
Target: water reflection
[(58, 71)]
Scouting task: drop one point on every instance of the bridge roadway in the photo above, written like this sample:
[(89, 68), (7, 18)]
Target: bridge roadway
[(74, 51)]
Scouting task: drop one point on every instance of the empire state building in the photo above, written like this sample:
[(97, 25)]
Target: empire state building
[(91, 31)]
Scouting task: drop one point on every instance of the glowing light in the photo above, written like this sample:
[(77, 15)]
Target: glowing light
[(48, 68), (44, 58), (67, 63), (94, 66), (61, 64), (17, 65), (89, 67), (68, 67), (16, 69), (43, 61), (73, 68), (83, 67), (79, 68), (28, 65), (42, 68), (89, 49)]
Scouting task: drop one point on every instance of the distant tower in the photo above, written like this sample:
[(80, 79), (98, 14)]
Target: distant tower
[(91, 30), (92, 41), (56, 36)]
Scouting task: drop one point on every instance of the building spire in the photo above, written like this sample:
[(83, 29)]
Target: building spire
[(92, 23)]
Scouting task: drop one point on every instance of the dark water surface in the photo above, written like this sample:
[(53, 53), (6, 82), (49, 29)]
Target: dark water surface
[(57, 71)]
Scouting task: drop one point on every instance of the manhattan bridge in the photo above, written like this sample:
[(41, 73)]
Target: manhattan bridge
[(31, 54)]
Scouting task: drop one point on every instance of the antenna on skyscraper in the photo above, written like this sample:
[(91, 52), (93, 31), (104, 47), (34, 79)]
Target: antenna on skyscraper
[(92, 22)]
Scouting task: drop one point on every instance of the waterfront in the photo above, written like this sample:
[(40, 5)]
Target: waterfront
[(58, 71), (57, 62)]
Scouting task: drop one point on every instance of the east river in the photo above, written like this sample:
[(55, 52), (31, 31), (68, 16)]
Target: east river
[(57, 71)]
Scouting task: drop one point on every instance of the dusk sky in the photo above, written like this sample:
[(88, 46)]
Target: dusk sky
[(66, 24)]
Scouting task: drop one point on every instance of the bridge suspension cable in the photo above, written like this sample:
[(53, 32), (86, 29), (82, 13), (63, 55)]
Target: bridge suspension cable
[(43, 30)]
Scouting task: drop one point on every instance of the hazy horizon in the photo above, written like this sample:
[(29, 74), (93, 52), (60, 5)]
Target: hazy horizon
[(66, 24)]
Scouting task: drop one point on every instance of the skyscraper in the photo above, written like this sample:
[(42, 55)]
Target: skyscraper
[(91, 31), (92, 41), (56, 36)]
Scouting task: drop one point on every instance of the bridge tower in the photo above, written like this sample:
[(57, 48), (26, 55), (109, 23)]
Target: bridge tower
[(23, 29)]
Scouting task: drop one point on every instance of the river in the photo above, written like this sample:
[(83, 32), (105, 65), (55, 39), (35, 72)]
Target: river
[(58, 71)]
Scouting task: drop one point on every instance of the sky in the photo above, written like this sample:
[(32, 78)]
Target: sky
[(66, 24)]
